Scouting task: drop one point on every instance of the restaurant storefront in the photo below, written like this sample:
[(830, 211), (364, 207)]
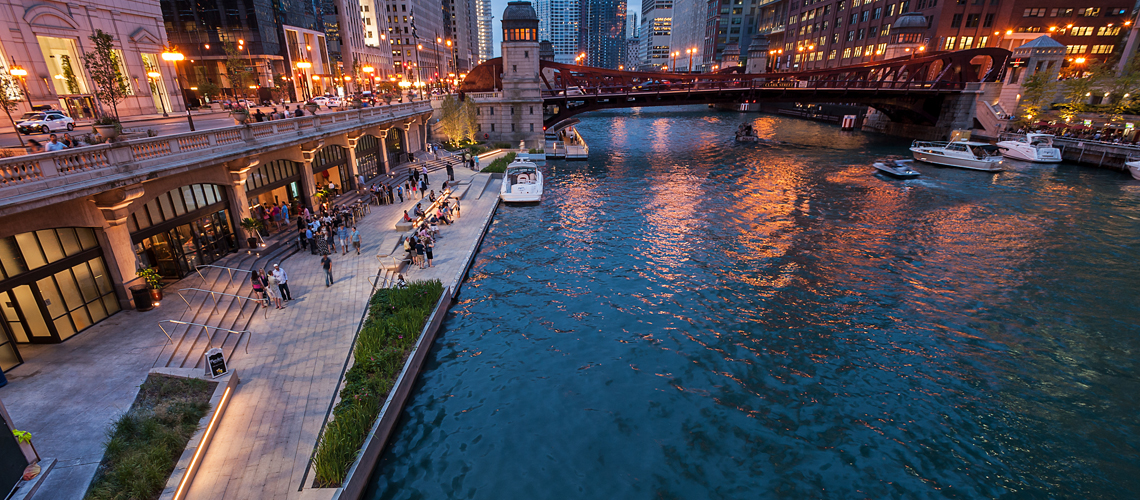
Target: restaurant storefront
[(53, 284), (368, 157), (331, 165), (397, 146), (183, 229), (273, 183)]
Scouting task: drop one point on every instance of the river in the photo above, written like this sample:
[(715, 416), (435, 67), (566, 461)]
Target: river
[(685, 317)]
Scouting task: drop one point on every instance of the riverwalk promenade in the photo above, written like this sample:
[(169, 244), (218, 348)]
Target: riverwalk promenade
[(67, 398)]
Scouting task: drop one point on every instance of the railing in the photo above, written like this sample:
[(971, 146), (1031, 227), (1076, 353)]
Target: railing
[(164, 151), (209, 343), (229, 270)]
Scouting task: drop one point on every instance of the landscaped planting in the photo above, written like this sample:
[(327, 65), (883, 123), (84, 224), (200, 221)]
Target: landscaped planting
[(500, 165), (144, 444), (395, 319)]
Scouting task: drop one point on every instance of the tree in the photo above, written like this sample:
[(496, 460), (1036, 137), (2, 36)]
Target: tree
[(1037, 93), (1077, 92), (103, 67), (470, 120), (1120, 93), (452, 119), (237, 68), (10, 99)]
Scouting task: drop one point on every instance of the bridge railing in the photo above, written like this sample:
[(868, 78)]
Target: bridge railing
[(757, 84), (24, 174)]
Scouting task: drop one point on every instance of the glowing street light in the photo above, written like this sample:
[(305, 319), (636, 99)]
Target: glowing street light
[(173, 57)]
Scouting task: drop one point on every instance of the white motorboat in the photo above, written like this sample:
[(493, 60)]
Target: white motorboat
[(897, 168), (961, 154), (522, 183), (1134, 168), (1033, 147)]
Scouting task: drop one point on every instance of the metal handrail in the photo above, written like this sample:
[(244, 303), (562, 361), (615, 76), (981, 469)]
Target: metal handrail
[(209, 344), (229, 270), (215, 298)]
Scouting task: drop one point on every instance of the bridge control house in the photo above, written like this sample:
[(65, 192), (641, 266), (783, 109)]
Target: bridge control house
[(76, 224)]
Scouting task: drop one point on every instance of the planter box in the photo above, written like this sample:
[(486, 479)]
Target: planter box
[(179, 481)]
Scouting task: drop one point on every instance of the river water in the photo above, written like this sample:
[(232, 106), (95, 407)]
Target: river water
[(683, 317)]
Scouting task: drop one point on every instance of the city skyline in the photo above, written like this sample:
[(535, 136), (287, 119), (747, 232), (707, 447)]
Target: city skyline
[(632, 7)]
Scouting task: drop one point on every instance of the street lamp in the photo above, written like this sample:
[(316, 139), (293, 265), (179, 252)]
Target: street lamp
[(256, 76), (172, 56), (304, 67), (347, 78), (675, 54), (691, 52), (454, 58), (153, 76), (20, 73), (368, 70)]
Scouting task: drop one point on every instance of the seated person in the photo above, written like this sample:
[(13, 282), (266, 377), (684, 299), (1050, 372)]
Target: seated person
[(418, 211), (406, 217)]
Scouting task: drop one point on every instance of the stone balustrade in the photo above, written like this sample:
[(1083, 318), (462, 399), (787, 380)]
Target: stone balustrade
[(83, 171)]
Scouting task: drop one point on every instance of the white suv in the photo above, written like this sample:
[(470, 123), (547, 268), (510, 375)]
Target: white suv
[(44, 122)]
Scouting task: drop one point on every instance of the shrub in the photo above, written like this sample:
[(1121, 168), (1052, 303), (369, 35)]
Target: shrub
[(500, 165), (536, 151), (502, 145), (395, 319)]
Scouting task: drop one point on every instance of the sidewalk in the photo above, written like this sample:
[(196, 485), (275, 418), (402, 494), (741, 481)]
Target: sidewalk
[(126, 120), (67, 395), (263, 444)]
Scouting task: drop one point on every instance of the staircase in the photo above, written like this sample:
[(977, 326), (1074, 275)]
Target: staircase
[(234, 311)]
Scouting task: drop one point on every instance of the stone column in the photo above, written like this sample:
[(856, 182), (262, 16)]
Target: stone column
[(308, 189), (118, 251), (239, 203), (383, 135), (353, 167)]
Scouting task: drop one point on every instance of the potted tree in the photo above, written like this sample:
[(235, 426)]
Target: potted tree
[(153, 281), (108, 127), (252, 227), (312, 107), (240, 115)]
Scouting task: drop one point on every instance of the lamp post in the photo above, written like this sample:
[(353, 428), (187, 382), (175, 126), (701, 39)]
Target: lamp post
[(675, 54), (304, 67), (438, 72), (691, 52), (21, 73), (153, 77), (368, 70), (419, 69), (454, 57), (256, 76), (173, 57), (347, 78)]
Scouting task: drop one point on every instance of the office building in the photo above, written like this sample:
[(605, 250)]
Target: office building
[(601, 32), (656, 33), (416, 30), (485, 35), (558, 22)]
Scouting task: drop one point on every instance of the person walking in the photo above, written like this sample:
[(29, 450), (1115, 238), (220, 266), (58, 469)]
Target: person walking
[(342, 234), (326, 264), (420, 248), (355, 237), (429, 245), (282, 282), (330, 238), (400, 193), (257, 278), (450, 172)]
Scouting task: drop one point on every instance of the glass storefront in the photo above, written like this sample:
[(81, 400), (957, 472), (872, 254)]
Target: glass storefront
[(182, 229), (273, 183), (368, 157), (331, 165), (53, 284), (396, 151)]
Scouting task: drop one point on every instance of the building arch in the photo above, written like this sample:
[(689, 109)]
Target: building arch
[(369, 156), (330, 165), (183, 228), (397, 142)]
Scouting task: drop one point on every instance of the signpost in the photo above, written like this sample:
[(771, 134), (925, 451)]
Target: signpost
[(216, 363)]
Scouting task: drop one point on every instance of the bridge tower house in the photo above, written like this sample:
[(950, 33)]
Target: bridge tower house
[(757, 55), (907, 36), (519, 117)]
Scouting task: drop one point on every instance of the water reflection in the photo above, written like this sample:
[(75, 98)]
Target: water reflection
[(686, 317)]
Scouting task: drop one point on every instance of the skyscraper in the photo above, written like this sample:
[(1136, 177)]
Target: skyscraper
[(558, 23), (486, 37), (601, 32), (656, 33)]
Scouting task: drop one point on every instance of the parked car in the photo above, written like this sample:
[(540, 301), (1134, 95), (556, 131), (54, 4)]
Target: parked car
[(335, 102), (44, 122), (320, 100)]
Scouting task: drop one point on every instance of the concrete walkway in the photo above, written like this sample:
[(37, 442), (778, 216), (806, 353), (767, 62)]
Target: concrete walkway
[(67, 395)]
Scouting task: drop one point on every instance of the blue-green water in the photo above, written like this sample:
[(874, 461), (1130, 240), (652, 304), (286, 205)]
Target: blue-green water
[(684, 317)]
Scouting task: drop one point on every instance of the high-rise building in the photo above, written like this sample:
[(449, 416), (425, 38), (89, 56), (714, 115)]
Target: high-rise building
[(632, 54), (844, 33), (687, 30), (601, 32), (558, 23), (486, 36), (461, 29), (656, 33), (416, 31), (274, 37), (377, 52)]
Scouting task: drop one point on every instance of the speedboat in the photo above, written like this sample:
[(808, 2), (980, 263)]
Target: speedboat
[(1033, 147), (522, 183), (961, 154), (897, 168), (1133, 165), (746, 138)]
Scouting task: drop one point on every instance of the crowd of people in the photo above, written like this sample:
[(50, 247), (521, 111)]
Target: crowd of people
[(320, 233)]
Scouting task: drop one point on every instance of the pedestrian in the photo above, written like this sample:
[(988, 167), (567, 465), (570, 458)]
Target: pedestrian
[(429, 245), (400, 193), (457, 208), (400, 283), (355, 237), (326, 264), (342, 235), (283, 282), (309, 240), (421, 188), (450, 172), (259, 282), (34, 146), (273, 288), (420, 248), (53, 144)]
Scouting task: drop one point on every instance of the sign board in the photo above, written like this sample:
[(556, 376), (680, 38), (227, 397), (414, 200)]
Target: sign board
[(216, 363)]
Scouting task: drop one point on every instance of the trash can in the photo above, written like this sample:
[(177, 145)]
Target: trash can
[(141, 295)]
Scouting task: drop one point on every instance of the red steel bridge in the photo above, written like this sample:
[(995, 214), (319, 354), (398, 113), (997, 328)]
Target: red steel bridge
[(907, 89)]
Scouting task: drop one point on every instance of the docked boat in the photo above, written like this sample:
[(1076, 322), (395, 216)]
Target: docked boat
[(1033, 147), (522, 183), (897, 168), (960, 153), (1134, 168)]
